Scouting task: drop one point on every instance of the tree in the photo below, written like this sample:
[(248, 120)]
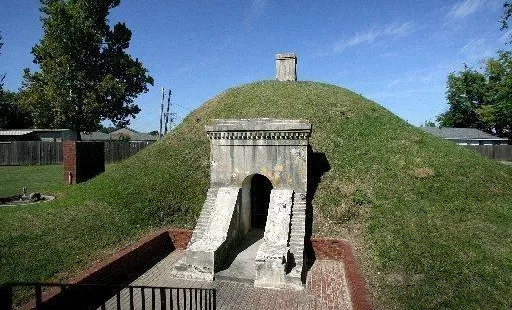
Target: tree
[(86, 75), (428, 123), (12, 114), (507, 13), (466, 95), (499, 74), (481, 100)]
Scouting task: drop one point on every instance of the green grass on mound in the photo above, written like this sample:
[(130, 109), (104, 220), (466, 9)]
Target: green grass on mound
[(430, 221)]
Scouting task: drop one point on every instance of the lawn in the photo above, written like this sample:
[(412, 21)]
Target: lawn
[(43, 179)]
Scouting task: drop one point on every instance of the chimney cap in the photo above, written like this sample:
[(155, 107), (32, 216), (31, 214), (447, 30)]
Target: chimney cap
[(286, 56)]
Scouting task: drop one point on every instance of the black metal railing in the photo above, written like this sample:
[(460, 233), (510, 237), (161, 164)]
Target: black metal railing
[(106, 296)]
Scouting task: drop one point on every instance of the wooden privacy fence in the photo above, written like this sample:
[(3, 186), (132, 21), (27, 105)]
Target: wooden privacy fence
[(50, 153), (499, 152), (118, 150), (30, 153)]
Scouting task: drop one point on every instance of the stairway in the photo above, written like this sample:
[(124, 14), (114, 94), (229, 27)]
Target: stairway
[(272, 256), (297, 234), (204, 217)]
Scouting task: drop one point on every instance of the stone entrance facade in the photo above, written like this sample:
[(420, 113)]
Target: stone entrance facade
[(258, 180)]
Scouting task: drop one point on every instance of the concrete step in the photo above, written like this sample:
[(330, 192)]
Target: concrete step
[(298, 233), (296, 249)]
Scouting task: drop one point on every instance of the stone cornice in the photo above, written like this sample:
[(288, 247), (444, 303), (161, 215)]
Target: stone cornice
[(258, 135)]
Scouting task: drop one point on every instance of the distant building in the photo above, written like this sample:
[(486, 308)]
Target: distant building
[(51, 135), (120, 134), (58, 135), (465, 136)]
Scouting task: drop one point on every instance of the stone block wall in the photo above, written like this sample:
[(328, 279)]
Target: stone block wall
[(286, 67), (82, 160)]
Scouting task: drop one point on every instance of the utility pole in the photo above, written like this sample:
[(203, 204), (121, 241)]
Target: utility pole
[(167, 113), (161, 114)]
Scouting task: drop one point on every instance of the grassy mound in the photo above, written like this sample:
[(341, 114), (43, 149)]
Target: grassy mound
[(430, 220)]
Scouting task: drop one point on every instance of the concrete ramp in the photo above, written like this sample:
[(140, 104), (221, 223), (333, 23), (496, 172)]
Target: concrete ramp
[(272, 256), (207, 251)]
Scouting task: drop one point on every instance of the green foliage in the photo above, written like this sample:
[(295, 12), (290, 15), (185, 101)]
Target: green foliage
[(12, 114), (86, 74), (499, 74), (481, 100), (466, 94), (429, 220), (507, 12)]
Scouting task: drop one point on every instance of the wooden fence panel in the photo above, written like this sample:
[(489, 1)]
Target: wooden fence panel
[(50, 153), (499, 152), (30, 153), (118, 150)]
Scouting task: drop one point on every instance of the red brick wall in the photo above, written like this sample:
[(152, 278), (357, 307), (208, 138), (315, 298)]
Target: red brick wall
[(180, 238), (83, 160), (339, 249), (69, 159)]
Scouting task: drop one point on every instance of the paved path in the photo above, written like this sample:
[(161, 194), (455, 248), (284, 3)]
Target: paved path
[(325, 289), (242, 267)]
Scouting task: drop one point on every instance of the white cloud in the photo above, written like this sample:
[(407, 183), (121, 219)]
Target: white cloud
[(358, 38), (465, 8), (255, 10), (474, 44), (422, 77), (369, 36), (477, 48), (397, 29)]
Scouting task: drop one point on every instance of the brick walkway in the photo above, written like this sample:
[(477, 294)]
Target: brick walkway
[(326, 288)]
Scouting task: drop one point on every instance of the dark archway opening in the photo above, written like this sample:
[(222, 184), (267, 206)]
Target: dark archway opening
[(239, 263), (260, 198)]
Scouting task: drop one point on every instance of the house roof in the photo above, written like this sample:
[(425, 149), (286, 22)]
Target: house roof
[(460, 133), (22, 132), (144, 137), (125, 130), (94, 136), (15, 132), (100, 136)]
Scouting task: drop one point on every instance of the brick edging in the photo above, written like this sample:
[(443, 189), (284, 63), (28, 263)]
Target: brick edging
[(160, 243), (124, 264), (341, 250)]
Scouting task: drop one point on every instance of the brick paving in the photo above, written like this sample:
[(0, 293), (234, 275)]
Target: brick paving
[(326, 288)]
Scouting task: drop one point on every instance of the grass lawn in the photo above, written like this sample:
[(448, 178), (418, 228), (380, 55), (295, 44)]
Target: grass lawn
[(429, 220), (54, 240), (43, 179)]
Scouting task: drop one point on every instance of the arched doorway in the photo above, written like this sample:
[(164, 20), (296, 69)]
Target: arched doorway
[(255, 199)]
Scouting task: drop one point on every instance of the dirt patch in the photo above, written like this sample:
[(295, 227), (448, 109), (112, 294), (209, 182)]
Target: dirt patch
[(424, 172)]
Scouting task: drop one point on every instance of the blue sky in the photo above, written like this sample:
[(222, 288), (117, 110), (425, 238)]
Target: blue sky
[(397, 53)]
